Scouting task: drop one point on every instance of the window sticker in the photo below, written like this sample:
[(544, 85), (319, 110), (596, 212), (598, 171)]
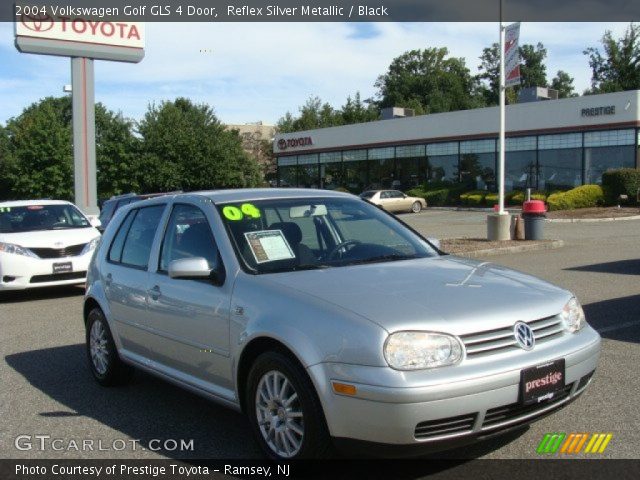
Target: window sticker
[(234, 213), (269, 246)]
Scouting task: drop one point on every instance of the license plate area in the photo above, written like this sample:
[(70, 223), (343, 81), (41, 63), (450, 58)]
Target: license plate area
[(542, 382), (62, 267)]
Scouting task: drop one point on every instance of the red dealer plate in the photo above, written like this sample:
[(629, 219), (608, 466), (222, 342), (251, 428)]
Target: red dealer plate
[(541, 382)]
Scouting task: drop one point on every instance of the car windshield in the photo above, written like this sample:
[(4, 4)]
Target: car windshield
[(314, 233), (30, 218), (367, 195)]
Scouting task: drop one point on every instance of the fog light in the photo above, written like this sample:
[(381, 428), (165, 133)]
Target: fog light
[(8, 279)]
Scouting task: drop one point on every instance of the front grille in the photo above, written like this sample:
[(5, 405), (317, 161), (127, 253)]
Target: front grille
[(57, 277), (445, 426), (70, 251), (514, 411), (503, 340)]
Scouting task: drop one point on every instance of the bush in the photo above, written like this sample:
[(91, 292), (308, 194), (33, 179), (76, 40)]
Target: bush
[(473, 198), (624, 181), (416, 192), (491, 199), (437, 198), (580, 197), (518, 197)]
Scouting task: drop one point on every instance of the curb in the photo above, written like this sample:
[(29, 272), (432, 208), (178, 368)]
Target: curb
[(552, 245), (592, 220), (511, 210)]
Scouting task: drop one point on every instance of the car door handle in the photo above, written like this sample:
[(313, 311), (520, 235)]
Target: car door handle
[(108, 279), (154, 293)]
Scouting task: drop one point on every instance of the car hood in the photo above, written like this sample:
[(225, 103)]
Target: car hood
[(51, 238), (443, 293)]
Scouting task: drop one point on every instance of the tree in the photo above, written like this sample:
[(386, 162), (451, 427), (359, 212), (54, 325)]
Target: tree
[(316, 114), (563, 83), (6, 166), (429, 82), (618, 67), (117, 153), (533, 71), (40, 144), (184, 146)]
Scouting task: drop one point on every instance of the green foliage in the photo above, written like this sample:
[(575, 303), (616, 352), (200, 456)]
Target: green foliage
[(618, 67), (580, 197), (428, 81), (563, 83), (184, 146), (40, 146), (6, 166), (491, 199), (518, 197), (315, 114), (624, 181), (473, 198), (437, 198), (533, 71)]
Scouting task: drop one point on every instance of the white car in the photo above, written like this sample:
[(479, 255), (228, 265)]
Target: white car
[(44, 243)]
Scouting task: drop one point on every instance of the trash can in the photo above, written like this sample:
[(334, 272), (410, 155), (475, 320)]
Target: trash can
[(534, 215)]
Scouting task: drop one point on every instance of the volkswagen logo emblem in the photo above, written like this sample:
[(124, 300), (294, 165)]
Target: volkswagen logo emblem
[(524, 335)]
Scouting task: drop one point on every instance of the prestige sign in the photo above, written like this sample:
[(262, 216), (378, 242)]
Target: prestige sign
[(82, 31), (597, 111)]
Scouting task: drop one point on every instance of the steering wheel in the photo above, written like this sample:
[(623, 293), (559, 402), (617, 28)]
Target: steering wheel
[(342, 246)]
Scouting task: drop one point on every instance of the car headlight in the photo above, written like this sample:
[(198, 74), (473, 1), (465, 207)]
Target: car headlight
[(573, 315), (91, 245), (419, 350), (16, 250)]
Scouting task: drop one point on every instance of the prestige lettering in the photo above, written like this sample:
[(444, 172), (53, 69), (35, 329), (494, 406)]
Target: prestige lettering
[(597, 111), (550, 378)]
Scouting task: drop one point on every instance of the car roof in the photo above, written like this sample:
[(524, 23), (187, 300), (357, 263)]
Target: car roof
[(252, 194), (25, 203)]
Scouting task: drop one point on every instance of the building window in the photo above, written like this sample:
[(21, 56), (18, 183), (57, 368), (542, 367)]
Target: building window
[(560, 169), (410, 151), (479, 170), (564, 140), (331, 172), (598, 160), (520, 170), (478, 146), (308, 171), (287, 171), (518, 144), (609, 138), (381, 153), (411, 165), (442, 168), (438, 149), (355, 168)]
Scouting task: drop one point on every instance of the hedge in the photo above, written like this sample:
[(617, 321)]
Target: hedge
[(580, 197), (520, 196), (624, 181), (473, 198)]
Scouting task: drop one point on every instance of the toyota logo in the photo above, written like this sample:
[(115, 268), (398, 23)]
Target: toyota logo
[(524, 335), (282, 144), (37, 23)]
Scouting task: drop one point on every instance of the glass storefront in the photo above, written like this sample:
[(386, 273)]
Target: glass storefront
[(543, 162)]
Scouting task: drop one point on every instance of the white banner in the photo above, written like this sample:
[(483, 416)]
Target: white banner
[(512, 55)]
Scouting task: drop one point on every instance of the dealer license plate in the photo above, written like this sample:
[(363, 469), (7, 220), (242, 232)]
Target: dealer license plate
[(63, 267), (542, 382)]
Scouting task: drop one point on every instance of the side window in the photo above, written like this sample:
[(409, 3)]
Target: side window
[(187, 235), (385, 195), (137, 244), (115, 251), (107, 212), (396, 194)]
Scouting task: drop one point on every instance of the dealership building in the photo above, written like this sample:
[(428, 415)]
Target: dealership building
[(550, 144)]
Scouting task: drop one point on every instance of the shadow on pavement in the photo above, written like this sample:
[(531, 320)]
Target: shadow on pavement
[(616, 319), (146, 409), (620, 267), (150, 408), (46, 293)]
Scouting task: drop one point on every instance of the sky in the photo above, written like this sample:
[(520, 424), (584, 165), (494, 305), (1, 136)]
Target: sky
[(254, 72)]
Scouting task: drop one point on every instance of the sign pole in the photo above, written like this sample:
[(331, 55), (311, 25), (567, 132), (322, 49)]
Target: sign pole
[(84, 135), (501, 142)]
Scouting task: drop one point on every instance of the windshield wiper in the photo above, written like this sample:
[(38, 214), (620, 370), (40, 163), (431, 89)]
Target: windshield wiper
[(382, 258), (306, 266)]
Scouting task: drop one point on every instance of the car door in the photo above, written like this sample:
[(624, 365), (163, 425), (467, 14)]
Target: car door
[(125, 275), (386, 201), (402, 201), (189, 319)]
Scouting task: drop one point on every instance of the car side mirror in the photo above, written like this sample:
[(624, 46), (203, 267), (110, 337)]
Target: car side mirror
[(95, 222), (195, 268)]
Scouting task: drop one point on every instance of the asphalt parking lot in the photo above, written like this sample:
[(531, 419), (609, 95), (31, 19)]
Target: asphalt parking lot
[(47, 389)]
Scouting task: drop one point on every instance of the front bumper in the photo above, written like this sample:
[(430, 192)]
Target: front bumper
[(468, 407), (18, 272)]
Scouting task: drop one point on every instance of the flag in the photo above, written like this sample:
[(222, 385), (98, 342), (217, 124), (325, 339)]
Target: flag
[(511, 55)]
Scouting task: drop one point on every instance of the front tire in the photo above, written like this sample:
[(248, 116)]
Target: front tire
[(284, 410), (104, 361), (416, 207)]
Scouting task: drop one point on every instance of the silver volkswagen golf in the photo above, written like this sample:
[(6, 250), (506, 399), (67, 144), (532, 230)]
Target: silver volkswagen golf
[(328, 321)]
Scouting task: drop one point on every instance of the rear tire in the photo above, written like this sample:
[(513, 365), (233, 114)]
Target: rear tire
[(416, 207), (284, 410), (104, 362)]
